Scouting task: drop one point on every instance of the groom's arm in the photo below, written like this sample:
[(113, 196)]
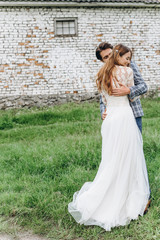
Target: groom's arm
[(102, 107), (138, 89), (140, 86)]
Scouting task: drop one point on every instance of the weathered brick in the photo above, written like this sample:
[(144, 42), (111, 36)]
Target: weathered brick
[(35, 61)]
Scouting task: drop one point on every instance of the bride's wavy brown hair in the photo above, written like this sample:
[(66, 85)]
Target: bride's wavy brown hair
[(105, 73)]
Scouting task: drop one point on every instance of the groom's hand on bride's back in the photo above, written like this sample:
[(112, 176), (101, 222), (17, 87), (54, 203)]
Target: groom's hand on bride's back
[(104, 114), (122, 91)]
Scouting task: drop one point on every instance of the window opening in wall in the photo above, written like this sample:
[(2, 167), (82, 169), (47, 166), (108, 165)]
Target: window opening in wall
[(66, 27)]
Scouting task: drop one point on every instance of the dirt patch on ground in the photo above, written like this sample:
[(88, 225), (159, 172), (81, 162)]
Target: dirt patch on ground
[(21, 236)]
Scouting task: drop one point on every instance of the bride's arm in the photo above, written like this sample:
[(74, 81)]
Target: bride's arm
[(104, 98)]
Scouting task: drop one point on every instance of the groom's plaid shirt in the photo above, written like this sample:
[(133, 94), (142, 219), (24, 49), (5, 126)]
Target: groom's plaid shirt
[(138, 89)]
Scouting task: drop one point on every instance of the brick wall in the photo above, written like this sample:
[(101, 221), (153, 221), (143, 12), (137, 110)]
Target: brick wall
[(37, 68)]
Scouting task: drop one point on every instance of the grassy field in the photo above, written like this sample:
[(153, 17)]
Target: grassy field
[(47, 154)]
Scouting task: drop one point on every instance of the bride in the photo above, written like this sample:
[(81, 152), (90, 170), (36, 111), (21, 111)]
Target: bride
[(120, 190)]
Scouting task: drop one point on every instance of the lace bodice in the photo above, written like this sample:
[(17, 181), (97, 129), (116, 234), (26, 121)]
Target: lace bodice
[(123, 75)]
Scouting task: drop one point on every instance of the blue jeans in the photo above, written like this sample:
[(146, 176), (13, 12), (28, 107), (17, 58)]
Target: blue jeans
[(139, 123)]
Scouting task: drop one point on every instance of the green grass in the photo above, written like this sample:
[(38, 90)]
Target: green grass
[(47, 154)]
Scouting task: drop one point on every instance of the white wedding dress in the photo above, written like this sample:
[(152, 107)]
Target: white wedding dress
[(120, 190)]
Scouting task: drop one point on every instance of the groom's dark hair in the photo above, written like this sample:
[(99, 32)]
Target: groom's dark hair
[(102, 46)]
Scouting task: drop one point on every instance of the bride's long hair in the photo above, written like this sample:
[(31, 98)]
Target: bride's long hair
[(104, 75)]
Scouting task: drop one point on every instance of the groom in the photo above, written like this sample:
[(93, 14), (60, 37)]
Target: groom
[(103, 52)]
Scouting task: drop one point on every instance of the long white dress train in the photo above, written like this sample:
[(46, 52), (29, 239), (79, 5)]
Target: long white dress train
[(120, 190)]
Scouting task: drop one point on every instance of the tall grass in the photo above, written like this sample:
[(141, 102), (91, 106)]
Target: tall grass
[(47, 154)]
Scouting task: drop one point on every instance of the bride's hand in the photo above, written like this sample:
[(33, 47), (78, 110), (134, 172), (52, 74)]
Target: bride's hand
[(104, 114)]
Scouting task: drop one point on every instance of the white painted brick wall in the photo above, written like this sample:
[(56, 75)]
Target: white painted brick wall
[(35, 62)]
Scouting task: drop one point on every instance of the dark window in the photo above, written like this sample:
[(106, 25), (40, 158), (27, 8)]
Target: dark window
[(66, 27)]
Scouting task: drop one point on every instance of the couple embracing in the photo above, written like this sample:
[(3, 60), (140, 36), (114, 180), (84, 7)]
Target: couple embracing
[(120, 190)]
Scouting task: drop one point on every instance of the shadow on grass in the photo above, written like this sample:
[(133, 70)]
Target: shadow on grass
[(10, 120)]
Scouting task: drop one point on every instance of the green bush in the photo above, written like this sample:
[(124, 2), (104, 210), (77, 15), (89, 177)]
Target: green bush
[(5, 122)]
